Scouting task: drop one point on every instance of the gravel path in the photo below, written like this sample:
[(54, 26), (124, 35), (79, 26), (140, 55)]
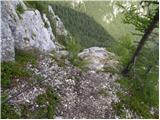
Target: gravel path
[(83, 94)]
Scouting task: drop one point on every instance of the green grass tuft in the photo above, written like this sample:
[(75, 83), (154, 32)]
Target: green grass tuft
[(19, 10), (11, 70), (137, 101), (50, 100), (8, 112)]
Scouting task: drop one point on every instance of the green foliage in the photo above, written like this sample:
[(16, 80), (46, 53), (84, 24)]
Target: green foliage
[(19, 9), (110, 70), (16, 69), (73, 48), (61, 39), (39, 5), (143, 93), (46, 25), (133, 104), (142, 82), (119, 107), (82, 27), (47, 103), (8, 112), (25, 57), (52, 23), (124, 48), (12, 70), (50, 100), (132, 14), (81, 64)]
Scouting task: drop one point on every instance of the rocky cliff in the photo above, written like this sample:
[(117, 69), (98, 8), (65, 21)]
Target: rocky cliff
[(27, 29)]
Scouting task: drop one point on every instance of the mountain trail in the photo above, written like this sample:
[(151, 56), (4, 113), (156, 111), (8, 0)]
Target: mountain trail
[(83, 94)]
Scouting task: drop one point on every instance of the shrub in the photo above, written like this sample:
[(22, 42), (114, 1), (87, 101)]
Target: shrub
[(46, 24), (73, 48), (124, 48), (49, 111), (142, 94), (142, 81), (19, 9), (8, 112), (24, 57), (39, 5), (15, 69)]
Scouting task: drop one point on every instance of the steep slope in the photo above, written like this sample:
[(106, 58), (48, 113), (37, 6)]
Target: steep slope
[(105, 13), (84, 28)]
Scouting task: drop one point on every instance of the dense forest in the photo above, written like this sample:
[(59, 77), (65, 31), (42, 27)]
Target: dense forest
[(136, 47)]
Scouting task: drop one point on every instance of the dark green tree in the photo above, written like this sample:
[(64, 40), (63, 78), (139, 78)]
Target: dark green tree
[(145, 37), (144, 23)]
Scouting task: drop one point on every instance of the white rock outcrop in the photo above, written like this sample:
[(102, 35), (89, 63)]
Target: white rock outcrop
[(25, 30), (60, 28), (8, 24), (97, 58), (32, 32), (7, 43)]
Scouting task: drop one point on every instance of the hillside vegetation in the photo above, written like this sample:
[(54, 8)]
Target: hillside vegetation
[(80, 26), (83, 28), (135, 91)]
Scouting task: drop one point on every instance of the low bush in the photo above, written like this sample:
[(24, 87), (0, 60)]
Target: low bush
[(50, 100), (73, 48), (19, 8), (11, 70), (142, 81)]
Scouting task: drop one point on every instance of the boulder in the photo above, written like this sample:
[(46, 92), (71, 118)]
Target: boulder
[(98, 58), (62, 54)]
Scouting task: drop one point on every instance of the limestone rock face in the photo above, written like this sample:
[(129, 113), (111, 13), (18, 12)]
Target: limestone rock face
[(32, 32), (60, 28), (8, 24), (98, 58), (7, 43), (27, 30)]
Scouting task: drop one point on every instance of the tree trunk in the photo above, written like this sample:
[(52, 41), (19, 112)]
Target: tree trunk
[(147, 33)]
